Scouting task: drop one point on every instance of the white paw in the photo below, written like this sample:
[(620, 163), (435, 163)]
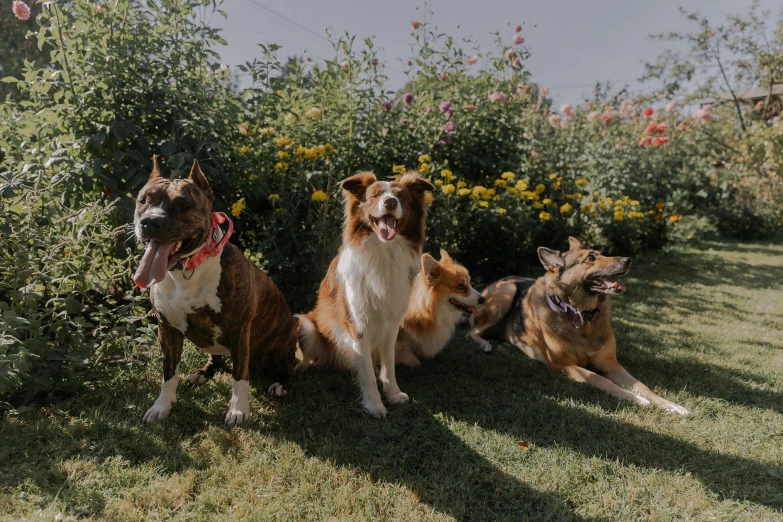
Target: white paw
[(236, 415), (397, 398), (675, 408), (641, 401), (195, 379), (376, 409), (159, 411), (277, 390), (485, 347)]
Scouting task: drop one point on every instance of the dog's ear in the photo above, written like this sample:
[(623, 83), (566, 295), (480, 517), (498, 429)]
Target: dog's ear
[(445, 257), (155, 174), (550, 258), (574, 244), (414, 182), (430, 269), (198, 178), (358, 183)]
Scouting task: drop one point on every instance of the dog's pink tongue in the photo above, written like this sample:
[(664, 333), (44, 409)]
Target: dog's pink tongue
[(387, 226), (154, 264)]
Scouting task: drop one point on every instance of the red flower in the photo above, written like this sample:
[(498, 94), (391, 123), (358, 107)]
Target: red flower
[(662, 128), (651, 128), (648, 112), (645, 141), (660, 141), (606, 118)]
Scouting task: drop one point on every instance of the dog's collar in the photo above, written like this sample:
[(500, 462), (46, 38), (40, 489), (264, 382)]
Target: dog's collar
[(212, 247), (564, 309)]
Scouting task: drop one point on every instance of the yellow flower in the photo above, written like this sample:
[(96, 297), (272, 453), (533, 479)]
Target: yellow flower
[(463, 191), (438, 182), (565, 208), (557, 183), (283, 141), (501, 211), (244, 149), (329, 149), (290, 118), (301, 151), (254, 177), (424, 168), (540, 188), (500, 183), (507, 175), (634, 203), (513, 190), (428, 197), (281, 166), (274, 197), (581, 182), (674, 218), (399, 168), (544, 216), (547, 201), (461, 184), (477, 191), (424, 158), (266, 130), (488, 194), (446, 174), (313, 113), (538, 205), (483, 204), (529, 194), (447, 189), (244, 129), (282, 154), (238, 207), (319, 195), (552, 176), (618, 215), (522, 184)]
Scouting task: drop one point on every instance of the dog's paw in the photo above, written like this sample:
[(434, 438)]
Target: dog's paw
[(641, 401), (157, 412), (237, 415), (277, 390), (376, 409), (485, 347), (196, 378), (397, 398), (674, 408)]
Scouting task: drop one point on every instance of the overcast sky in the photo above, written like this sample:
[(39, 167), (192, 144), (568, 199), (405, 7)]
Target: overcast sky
[(573, 42)]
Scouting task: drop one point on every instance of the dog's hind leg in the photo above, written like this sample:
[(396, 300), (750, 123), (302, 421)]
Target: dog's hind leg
[(200, 376), (580, 374), (499, 298), (620, 376)]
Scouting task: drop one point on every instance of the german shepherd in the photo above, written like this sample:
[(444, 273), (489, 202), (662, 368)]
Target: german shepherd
[(563, 319)]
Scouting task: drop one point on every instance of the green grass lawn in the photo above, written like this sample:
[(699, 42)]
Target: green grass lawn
[(701, 326)]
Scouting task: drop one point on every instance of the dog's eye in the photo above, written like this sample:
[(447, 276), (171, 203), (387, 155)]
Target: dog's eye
[(590, 257), (142, 201), (461, 287)]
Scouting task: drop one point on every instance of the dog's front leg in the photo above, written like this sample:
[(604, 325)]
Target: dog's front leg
[(387, 375), (239, 408), (171, 341), (620, 376), (365, 372), (580, 374)]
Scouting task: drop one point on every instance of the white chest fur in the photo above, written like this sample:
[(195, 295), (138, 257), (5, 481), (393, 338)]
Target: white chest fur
[(377, 279), (176, 297), (432, 341)]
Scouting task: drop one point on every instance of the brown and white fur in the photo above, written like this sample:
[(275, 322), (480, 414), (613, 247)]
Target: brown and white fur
[(441, 295), (363, 298), (227, 307), (516, 310)]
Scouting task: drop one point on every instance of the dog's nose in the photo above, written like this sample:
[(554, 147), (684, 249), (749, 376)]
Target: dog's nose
[(390, 204), (481, 299), (152, 222), (626, 261)]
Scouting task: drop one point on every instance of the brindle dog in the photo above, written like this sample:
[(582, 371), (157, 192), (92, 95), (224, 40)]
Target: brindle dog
[(563, 319), (224, 304)]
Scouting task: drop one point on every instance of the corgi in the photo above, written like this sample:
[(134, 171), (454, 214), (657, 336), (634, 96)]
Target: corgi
[(441, 295), (363, 298)]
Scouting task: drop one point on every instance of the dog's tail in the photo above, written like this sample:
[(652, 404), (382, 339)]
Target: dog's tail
[(316, 347)]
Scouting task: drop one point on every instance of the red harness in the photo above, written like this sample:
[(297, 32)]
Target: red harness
[(214, 245)]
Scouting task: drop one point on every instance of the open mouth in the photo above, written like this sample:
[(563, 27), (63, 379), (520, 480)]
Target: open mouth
[(461, 306), (385, 226), (158, 258), (604, 285)]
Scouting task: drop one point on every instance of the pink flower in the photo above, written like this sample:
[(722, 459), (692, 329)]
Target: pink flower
[(651, 128), (387, 105), (518, 28), (470, 60), (625, 108), (497, 96), (308, 58), (444, 76), (648, 112), (407, 98), (445, 106), (645, 141), (592, 116), (566, 109), (469, 107), (20, 9), (671, 105), (99, 8), (449, 127), (534, 153), (607, 118), (409, 63), (405, 121), (660, 141), (555, 119), (415, 24), (703, 114), (512, 57), (345, 65), (662, 128), (545, 90), (519, 39)]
